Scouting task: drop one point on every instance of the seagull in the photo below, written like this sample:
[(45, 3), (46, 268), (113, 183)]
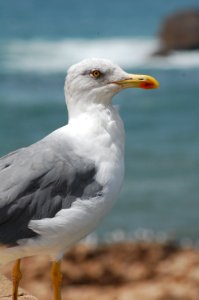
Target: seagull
[(56, 191)]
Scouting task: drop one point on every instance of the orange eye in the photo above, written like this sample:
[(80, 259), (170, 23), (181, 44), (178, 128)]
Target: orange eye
[(96, 73)]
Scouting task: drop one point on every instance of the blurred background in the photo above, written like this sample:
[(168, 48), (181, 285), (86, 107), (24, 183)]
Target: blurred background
[(39, 40)]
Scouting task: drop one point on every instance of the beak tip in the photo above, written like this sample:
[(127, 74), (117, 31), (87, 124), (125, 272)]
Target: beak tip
[(150, 83)]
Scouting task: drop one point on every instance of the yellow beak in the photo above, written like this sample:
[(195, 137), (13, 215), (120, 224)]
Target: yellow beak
[(139, 81)]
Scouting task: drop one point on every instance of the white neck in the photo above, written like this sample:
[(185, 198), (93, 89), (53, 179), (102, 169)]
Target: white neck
[(88, 101), (96, 118), (102, 128)]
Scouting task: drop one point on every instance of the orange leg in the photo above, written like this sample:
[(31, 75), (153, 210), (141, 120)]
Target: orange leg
[(16, 277), (56, 277)]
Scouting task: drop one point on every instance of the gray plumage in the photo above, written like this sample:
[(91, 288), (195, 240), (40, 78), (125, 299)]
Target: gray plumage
[(38, 181)]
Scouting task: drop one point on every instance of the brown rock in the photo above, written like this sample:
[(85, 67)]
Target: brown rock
[(6, 291), (123, 271), (180, 31)]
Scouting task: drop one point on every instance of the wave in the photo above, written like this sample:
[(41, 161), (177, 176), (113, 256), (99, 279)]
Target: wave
[(56, 56)]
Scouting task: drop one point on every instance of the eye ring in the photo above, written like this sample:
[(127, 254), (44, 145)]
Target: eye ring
[(96, 73)]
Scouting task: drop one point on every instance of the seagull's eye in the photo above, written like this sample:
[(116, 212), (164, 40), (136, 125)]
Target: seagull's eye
[(95, 73)]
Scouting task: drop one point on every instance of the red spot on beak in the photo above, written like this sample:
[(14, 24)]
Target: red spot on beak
[(147, 85)]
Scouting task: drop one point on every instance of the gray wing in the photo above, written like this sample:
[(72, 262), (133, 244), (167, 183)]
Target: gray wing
[(38, 181)]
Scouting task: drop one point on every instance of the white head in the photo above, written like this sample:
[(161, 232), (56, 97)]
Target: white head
[(96, 81)]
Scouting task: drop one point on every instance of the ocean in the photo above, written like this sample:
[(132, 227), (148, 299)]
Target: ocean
[(40, 40)]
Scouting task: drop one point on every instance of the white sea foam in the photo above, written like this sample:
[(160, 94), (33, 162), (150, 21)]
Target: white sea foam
[(55, 56)]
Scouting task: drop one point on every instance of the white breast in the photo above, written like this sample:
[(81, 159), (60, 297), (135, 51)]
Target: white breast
[(103, 136)]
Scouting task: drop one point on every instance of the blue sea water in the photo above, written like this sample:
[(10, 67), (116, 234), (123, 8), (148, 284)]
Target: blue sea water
[(40, 39)]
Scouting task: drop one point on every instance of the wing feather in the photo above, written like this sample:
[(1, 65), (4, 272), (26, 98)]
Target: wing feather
[(38, 181)]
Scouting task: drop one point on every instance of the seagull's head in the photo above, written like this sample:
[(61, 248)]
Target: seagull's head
[(96, 81)]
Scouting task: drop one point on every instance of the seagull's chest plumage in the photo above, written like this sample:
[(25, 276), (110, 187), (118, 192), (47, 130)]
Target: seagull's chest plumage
[(98, 137)]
